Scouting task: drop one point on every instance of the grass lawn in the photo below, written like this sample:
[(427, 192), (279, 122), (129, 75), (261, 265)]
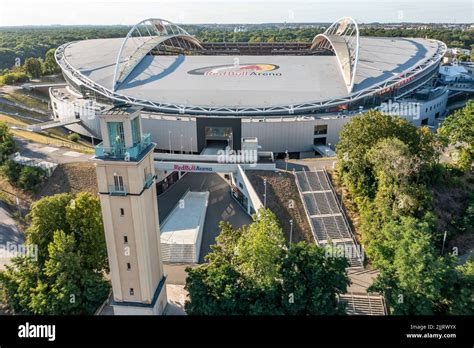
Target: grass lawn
[(42, 138), (20, 98)]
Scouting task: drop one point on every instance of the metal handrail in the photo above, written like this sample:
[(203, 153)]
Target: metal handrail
[(115, 190), (121, 152)]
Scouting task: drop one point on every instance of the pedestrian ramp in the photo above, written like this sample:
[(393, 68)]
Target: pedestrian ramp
[(38, 127)]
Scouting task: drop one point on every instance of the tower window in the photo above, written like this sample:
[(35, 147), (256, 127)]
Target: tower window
[(122, 212), (125, 239), (129, 267), (118, 183), (132, 292)]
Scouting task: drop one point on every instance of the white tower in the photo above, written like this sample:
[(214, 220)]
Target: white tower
[(126, 176)]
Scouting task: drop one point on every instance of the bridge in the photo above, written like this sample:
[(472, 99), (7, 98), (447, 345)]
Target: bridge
[(464, 85), (38, 127), (30, 86)]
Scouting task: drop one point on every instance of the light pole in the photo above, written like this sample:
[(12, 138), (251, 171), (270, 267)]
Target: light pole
[(169, 139), (291, 231), (286, 160), (444, 241), (191, 145), (265, 194), (181, 141)]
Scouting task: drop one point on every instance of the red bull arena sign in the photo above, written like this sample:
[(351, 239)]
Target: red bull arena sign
[(192, 168), (238, 70)]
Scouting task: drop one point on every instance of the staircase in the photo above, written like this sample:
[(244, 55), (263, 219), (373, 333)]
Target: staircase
[(179, 253), (363, 304)]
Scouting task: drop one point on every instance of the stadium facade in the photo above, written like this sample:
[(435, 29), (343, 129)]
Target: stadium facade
[(292, 97)]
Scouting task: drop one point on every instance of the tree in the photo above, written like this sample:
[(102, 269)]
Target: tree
[(49, 65), (33, 67), (459, 126), (7, 143), (458, 130), (399, 179), (47, 215), (63, 270), (17, 282), (364, 132), (84, 217), (251, 271), (311, 279), (260, 249), (412, 274), (67, 275), (461, 291)]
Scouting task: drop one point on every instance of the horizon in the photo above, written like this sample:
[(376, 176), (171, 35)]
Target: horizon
[(225, 24), (24, 13)]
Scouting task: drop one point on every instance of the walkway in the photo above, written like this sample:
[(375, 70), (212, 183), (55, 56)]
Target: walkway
[(49, 153), (9, 233)]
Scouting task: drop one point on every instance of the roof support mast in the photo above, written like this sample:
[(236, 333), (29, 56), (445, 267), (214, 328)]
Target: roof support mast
[(135, 46), (342, 38)]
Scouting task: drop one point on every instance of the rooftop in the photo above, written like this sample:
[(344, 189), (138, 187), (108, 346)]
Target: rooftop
[(300, 78), (170, 71), (182, 225)]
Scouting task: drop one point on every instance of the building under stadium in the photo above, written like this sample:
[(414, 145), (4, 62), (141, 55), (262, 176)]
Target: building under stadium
[(289, 97)]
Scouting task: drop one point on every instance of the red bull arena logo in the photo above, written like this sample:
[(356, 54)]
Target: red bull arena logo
[(257, 69)]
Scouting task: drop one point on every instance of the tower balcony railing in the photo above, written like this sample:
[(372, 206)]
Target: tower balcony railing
[(119, 152), (149, 180), (118, 190)]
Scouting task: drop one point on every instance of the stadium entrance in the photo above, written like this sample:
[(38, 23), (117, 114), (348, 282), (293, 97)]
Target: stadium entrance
[(218, 133), (218, 137)]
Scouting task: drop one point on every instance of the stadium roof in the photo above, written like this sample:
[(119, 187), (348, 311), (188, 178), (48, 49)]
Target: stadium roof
[(122, 69)]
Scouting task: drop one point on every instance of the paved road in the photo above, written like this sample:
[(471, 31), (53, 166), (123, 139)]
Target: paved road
[(9, 232), (221, 206), (49, 153)]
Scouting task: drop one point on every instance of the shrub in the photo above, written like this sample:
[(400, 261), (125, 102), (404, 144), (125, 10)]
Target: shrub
[(11, 170), (7, 144), (30, 178), (13, 77), (74, 137)]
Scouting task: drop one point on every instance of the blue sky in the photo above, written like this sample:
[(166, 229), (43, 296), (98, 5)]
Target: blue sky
[(44, 12)]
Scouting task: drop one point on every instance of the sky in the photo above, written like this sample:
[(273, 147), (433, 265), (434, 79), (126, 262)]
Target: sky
[(73, 12)]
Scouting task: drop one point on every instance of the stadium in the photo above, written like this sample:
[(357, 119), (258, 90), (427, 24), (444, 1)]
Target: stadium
[(195, 96)]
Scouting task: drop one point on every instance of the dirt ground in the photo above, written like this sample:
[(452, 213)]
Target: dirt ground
[(281, 190), (70, 177)]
